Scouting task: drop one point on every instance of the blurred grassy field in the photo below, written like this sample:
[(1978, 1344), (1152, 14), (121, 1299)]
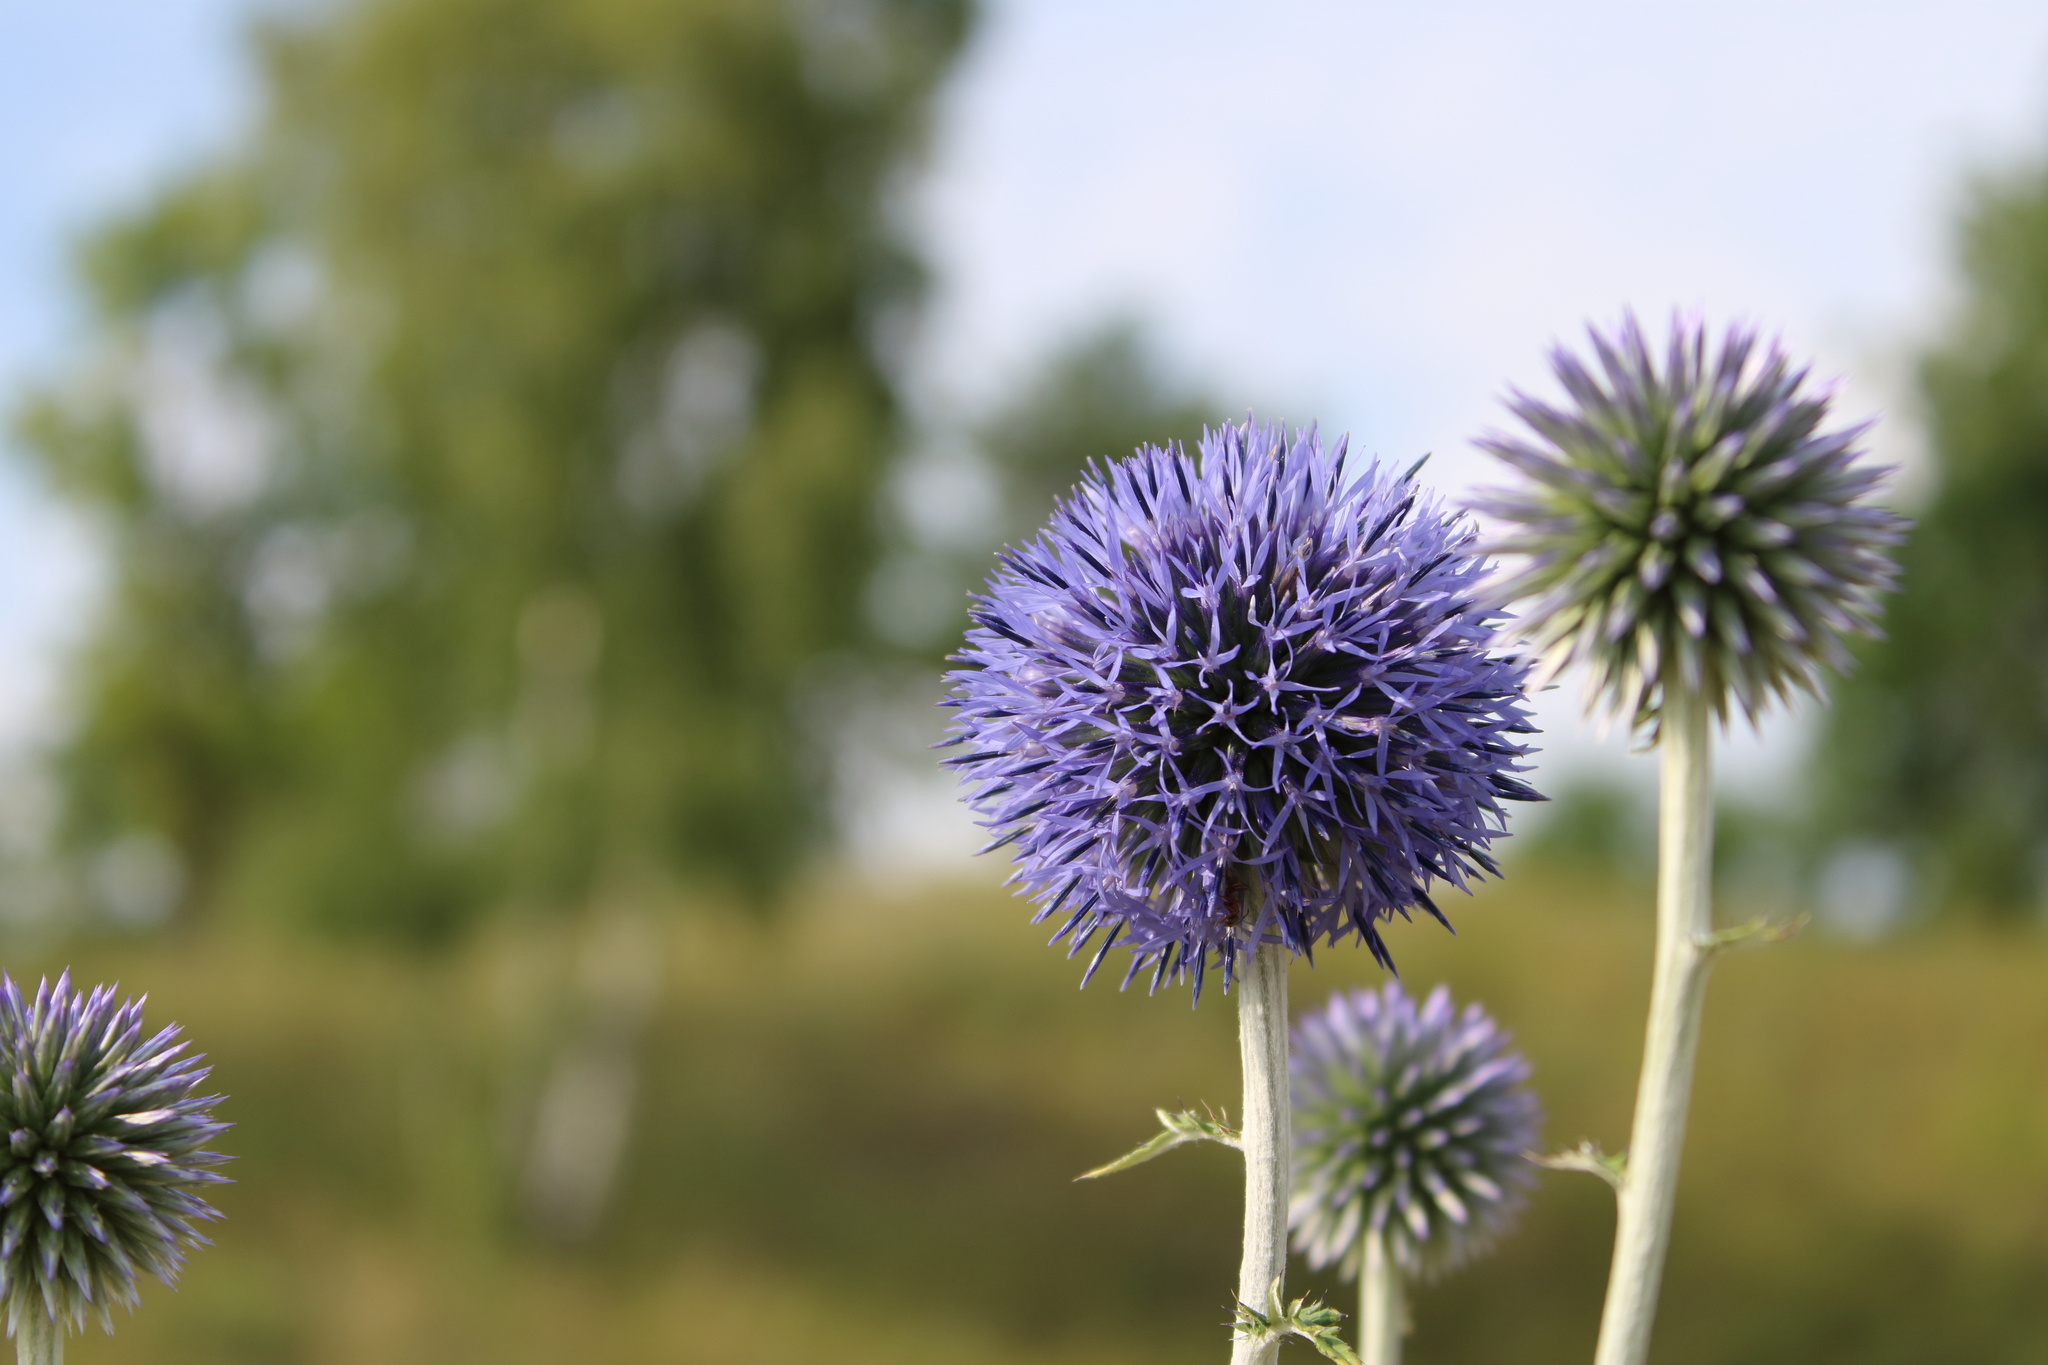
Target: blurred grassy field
[(858, 1130)]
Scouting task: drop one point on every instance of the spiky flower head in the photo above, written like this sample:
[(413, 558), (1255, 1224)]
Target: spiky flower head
[(1238, 697), (1408, 1121), (104, 1153), (1687, 521)]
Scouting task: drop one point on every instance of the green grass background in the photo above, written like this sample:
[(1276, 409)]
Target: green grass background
[(858, 1128)]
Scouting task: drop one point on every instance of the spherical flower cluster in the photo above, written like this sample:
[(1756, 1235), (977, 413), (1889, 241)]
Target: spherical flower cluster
[(1238, 698), (1689, 522), (105, 1146), (1409, 1122)]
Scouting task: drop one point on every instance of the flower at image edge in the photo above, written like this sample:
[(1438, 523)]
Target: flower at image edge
[(104, 1153)]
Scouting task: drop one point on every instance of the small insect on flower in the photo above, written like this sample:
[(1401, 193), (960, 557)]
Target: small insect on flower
[(1689, 522), (1237, 698), (105, 1151), (1410, 1123)]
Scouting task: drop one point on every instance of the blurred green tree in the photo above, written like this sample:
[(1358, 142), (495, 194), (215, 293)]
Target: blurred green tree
[(488, 454), (1939, 741), (1595, 822), (992, 480), (1099, 396)]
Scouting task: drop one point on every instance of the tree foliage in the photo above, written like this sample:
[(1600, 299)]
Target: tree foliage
[(1939, 743), (488, 452), (1099, 396)]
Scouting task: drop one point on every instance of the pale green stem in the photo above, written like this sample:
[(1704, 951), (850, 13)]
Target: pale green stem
[(1685, 844), (1381, 1309), (1268, 1136), (38, 1340)]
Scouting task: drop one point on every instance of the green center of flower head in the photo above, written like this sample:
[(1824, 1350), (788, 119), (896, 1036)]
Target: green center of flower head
[(43, 1151), (1687, 522)]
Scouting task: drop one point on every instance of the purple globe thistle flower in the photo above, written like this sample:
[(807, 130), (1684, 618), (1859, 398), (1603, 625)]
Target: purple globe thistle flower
[(1690, 520), (1408, 1122), (1236, 698), (105, 1151)]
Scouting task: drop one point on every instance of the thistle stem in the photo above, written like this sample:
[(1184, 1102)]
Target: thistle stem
[(1381, 1309), (1685, 842), (38, 1340), (1268, 1136)]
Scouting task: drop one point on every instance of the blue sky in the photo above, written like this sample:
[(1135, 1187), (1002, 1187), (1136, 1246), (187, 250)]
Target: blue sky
[(1372, 215), (99, 100)]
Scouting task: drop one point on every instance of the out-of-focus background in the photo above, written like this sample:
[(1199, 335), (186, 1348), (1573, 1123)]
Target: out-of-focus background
[(490, 485)]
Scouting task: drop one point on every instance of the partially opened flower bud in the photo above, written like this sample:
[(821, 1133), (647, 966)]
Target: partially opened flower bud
[(104, 1154), (1408, 1122), (1688, 522)]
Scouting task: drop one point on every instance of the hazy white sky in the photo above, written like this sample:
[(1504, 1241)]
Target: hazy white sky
[(1378, 216), (1372, 215)]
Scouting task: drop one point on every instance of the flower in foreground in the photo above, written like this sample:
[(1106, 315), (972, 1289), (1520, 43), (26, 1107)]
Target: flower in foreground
[(1238, 697), (1408, 1122), (1686, 521), (104, 1155)]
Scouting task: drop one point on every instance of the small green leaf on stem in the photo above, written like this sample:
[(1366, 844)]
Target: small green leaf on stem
[(1754, 934), (1588, 1157), (1309, 1320), (1184, 1127)]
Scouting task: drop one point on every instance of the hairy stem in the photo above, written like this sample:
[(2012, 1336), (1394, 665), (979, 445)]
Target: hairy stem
[(1268, 1136), (38, 1340), (1685, 843), (1381, 1310)]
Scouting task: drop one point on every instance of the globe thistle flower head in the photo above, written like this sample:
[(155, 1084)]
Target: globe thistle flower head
[(1238, 697), (1688, 521), (1408, 1121), (104, 1153)]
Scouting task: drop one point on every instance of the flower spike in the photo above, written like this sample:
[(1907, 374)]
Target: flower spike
[(1243, 696), (1686, 521), (1410, 1122), (104, 1155)]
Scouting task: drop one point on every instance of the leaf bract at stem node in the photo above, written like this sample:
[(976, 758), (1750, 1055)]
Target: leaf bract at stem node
[(1587, 1157), (1309, 1319), (1179, 1129), (1752, 934)]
